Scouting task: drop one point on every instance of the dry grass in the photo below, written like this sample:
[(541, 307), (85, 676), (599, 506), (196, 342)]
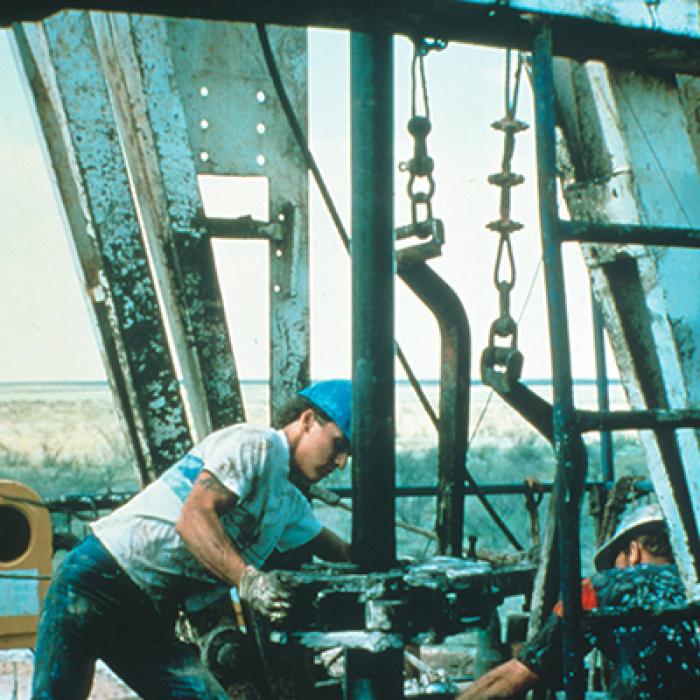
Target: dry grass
[(68, 444), (59, 442)]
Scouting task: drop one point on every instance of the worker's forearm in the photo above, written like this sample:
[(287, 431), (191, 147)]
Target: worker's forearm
[(208, 543), (330, 547), (506, 681)]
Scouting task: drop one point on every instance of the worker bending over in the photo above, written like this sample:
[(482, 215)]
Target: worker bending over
[(207, 524)]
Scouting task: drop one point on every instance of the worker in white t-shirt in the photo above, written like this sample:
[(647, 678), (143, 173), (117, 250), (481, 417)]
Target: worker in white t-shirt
[(207, 524)]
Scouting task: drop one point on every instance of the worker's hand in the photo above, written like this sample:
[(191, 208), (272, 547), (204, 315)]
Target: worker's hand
[(266, 593)]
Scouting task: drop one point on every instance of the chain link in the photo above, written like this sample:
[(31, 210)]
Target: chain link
[(533, 497), (501, 365), (421, 166)]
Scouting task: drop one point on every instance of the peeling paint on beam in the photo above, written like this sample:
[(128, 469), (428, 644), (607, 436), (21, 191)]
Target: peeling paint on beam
[(119, 66), (221, 78), (190, 253), (33, 54), (124, 267)]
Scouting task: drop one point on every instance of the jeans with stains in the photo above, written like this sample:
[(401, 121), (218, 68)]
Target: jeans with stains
[(94, 611)]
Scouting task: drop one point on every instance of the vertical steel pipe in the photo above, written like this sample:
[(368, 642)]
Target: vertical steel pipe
[(373, 675), (607, 465), (374, 542), (568, 496)]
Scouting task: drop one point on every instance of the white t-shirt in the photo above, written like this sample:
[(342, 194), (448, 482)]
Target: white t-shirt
[(271, 513)]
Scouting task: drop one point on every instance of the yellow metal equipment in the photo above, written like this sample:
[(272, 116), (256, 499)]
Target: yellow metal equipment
[(25, 563)]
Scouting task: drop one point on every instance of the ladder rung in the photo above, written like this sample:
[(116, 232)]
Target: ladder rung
[(623, 234), (637, 420), (244, 227)]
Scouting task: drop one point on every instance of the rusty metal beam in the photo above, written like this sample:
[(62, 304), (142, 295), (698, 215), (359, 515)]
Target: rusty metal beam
[(623, 34), (119, 65), (570, 471), (637, 420), (233, 126), (82, 138), (191, 255), (455, 348), (290, 357), (628, 234), (86, 253), (153, 77)]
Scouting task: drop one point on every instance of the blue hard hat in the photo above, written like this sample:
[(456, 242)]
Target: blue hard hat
[(334, 398)]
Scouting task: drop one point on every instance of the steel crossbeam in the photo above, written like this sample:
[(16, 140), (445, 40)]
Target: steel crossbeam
[(638, 35)]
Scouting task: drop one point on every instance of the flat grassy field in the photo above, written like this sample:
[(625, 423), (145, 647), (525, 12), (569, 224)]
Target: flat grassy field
[(66, 438)]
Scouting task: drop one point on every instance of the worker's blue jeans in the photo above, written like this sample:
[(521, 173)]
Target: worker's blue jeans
[(94, 611)]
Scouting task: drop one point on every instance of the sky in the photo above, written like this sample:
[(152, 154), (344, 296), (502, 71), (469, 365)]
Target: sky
[(49, 336)]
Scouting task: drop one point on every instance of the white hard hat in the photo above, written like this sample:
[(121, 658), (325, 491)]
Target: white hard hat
[(633, 522)]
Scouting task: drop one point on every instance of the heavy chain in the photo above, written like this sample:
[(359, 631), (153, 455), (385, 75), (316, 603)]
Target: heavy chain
[(501, 364), (421, 184), (533, 498)]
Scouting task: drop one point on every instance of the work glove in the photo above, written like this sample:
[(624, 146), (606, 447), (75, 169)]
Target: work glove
[(266, 593)]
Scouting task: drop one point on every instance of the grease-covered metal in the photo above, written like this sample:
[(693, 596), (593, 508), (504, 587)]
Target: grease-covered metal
[(234, 126), (90, 139), (191, 250), (416, 603), (455, 358)]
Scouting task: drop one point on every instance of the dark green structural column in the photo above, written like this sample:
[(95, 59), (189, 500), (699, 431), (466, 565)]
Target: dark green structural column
[(368, 674), (374, 541), (570, 467)]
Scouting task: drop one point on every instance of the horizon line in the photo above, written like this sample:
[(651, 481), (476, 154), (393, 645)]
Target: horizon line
[(105, 383)]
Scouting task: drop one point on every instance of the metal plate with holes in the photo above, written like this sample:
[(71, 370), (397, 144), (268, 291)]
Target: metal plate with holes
[(237, 127), (233, 117)]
